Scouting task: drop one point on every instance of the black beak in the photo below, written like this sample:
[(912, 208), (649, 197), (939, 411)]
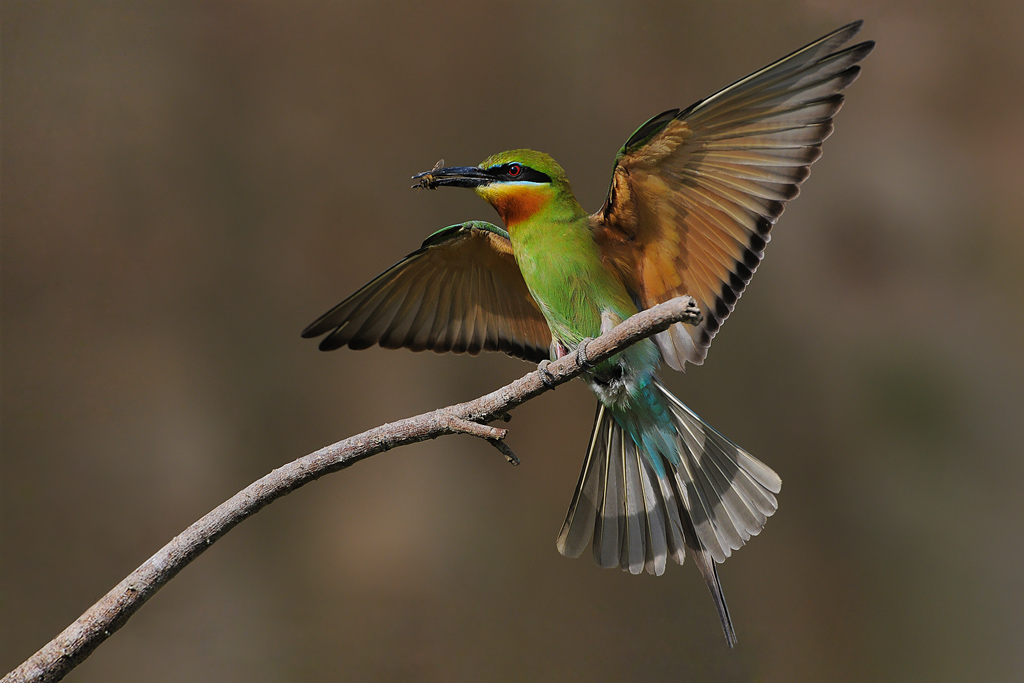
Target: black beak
[(453, 176)]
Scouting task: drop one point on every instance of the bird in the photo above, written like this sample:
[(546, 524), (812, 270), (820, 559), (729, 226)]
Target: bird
[(693, 196)]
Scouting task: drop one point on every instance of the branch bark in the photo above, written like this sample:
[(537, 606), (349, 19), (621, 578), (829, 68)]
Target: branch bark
[(54, 660)]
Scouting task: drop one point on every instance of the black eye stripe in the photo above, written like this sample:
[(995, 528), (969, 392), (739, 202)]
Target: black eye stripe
[(525, 174)]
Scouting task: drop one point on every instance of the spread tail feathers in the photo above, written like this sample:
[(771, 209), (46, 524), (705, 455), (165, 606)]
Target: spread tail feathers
[(711, 501)]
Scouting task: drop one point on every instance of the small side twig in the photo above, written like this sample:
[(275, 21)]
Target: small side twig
[(504, 449), (492, 435), (62, 654), (461, 426)]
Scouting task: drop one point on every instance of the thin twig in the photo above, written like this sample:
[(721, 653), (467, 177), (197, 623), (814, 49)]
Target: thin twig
[(504, 449), (77, 641), (461, 426)]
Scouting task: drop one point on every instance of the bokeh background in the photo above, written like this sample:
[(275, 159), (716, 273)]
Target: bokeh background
[(187, 185)]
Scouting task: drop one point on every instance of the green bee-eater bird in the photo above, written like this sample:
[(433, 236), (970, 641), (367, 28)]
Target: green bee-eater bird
[(693, 196)]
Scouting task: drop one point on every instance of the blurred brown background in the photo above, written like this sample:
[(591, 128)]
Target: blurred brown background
[(187, 185)]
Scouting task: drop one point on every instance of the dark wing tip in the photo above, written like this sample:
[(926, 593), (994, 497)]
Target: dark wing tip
[(863, 49), (315, 329), (853, 56), (846, 32), (330, 343), (361, 343)]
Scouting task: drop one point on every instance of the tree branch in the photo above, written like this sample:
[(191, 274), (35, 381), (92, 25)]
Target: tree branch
[(77, 641)]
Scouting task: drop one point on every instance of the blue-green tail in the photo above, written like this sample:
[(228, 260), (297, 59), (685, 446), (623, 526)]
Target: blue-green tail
[(657, 479)]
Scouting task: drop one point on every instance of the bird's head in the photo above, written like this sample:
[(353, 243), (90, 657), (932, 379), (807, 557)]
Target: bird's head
[(518, 183)]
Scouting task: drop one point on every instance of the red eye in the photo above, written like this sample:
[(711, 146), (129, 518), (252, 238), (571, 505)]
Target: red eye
[(514, 170)]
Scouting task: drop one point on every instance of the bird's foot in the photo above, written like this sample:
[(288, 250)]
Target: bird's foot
[(545, 374), (581, 354)]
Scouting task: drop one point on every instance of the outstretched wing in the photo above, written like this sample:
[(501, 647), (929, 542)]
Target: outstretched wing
[(695, 192), (461, 291)]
